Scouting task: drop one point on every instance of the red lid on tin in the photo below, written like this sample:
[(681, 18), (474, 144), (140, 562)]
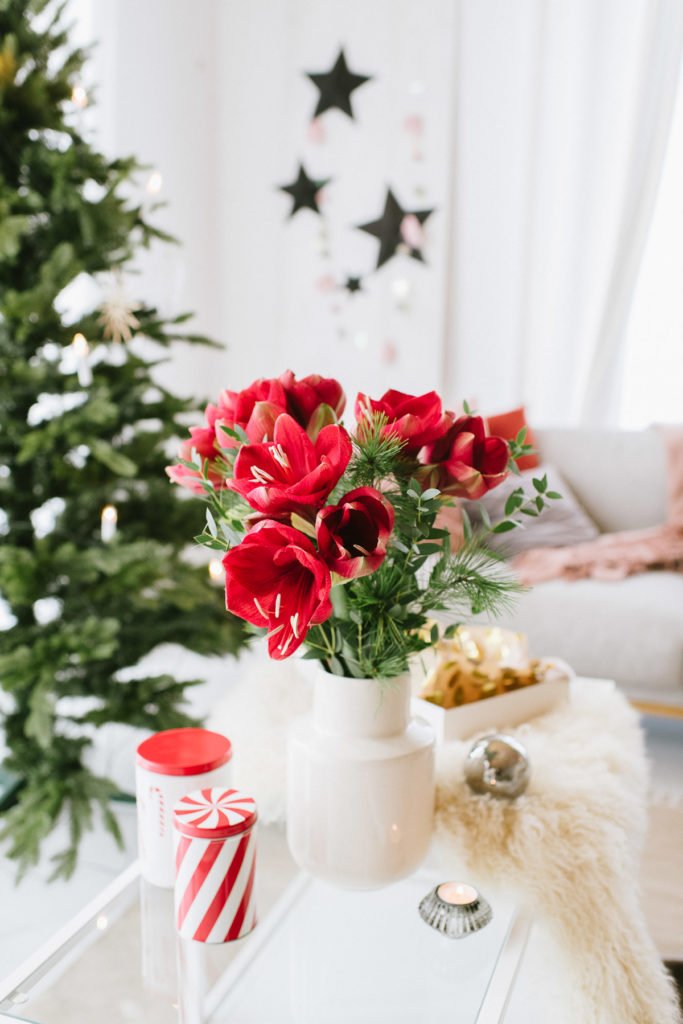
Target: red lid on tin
[(215, 813), (184, 752)]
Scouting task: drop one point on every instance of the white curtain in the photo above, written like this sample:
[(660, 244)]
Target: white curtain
[(653, 369), (562, 114)]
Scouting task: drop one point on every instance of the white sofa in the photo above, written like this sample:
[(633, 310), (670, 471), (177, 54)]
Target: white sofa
[(630, 630)]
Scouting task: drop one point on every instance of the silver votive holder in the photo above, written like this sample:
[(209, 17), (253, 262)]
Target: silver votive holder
[(456, 909)]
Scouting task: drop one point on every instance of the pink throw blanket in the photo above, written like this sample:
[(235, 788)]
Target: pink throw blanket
[(614, 556)]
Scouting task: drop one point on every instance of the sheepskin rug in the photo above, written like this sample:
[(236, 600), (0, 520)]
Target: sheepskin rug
[(569, 846)]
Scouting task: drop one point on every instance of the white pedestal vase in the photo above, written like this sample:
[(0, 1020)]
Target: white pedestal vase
[(360, 783)]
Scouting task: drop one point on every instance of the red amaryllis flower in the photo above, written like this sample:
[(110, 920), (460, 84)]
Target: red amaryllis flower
[(202, 440), (465, 462), (275, 578), (292, 474), (254, 409), (353, 535), (314, 401), (416, 419)]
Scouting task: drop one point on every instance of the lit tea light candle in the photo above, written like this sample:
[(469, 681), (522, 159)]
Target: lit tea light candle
[(108, 520), (216, 570), (82, 351), (455, 909), (458, 894)]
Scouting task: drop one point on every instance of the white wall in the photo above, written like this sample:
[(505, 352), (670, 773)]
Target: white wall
[(214, 95), (545, 128)]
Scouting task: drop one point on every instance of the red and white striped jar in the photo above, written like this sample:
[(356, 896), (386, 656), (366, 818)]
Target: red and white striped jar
[(215, 837)]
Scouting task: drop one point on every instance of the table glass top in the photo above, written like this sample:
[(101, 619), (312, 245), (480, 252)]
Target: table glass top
[(319, 954)]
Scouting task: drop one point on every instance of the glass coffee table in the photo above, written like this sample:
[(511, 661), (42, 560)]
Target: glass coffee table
[(319, 955)]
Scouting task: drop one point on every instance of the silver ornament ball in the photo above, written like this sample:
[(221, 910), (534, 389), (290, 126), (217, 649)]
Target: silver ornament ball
[(498, 765)]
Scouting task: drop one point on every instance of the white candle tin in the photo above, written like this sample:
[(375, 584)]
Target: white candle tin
[(168, 766)]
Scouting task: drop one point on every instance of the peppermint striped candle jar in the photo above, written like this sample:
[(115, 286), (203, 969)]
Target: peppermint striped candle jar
[(215, 836)]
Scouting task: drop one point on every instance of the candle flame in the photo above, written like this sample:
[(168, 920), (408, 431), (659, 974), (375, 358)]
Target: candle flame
[(109, 514)]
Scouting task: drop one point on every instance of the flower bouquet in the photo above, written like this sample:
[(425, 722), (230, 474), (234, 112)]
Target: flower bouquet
[(335, 541)]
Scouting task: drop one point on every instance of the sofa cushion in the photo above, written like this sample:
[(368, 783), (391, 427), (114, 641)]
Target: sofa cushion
[(630, 630), (619, 476), (561, 523)]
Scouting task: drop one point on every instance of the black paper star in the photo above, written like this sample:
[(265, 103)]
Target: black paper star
[(388, 230), (336, 86), (304, 192), (353, 284)]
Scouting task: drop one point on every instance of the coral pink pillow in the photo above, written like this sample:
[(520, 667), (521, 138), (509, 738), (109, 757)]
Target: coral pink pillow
[(508, 425)]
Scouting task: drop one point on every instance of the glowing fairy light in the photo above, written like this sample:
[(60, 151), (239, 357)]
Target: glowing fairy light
[(154, 184), (216, 570), (108, 523), (79, 97)]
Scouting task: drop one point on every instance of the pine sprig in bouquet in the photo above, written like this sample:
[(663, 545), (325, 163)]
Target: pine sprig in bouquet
[(333, 540)]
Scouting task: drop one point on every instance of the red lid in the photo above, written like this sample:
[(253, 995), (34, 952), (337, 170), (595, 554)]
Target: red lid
[(214, 813), (184, 752)]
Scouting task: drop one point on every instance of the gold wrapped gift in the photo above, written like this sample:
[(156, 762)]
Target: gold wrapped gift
[(480, 662)]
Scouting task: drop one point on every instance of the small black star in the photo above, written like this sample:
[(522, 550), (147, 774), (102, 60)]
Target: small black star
[(304, 191), (388, 230), (336, 86), (353, 284)]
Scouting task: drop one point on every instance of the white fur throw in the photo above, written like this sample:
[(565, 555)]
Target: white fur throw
[(569, 846)]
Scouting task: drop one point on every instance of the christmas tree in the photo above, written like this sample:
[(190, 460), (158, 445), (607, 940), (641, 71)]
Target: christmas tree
[(92, 576)]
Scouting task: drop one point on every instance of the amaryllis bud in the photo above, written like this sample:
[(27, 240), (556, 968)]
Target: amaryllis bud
[(324, 416)]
